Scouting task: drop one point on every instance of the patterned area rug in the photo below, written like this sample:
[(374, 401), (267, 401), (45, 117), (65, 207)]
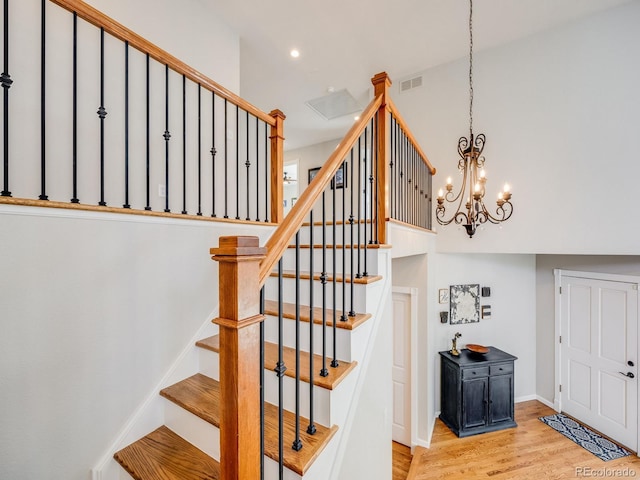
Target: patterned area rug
[(587, 439)]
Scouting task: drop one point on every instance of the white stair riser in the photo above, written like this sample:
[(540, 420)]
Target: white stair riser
[(343, 337), (192, 428), (289, 293), (321, 396), (289, 260)]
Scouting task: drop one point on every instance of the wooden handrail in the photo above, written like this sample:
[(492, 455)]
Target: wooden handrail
[(396, 114), (100, 20), (278, 242)]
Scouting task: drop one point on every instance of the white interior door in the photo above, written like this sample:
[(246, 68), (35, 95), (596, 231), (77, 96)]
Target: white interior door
[(401, 375), (599, 355)]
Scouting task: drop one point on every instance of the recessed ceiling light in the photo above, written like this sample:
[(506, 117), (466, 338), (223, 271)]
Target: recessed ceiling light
[(295, 53), (356, 118)]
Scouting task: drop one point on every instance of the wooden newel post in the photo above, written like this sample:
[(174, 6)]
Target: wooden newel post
[(239, 267), (381, 83), (277, 166)]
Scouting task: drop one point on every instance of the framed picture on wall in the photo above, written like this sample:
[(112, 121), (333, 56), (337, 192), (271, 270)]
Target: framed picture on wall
[(340, 179), (465, 304), (312, 173)]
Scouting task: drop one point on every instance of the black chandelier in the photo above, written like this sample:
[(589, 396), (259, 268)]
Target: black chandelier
[(471, 165)]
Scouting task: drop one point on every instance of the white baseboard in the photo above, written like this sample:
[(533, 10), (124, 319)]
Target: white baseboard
[(147, 412), (525, 398), (546, 402)]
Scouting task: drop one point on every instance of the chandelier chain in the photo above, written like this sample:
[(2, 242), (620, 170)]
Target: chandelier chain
[(470, 69)]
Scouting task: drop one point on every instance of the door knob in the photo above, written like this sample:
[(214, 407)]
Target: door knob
[(628, 374), (630, 363)]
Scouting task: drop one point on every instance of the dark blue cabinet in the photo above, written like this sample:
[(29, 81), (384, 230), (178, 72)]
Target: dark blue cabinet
[(476, 391)]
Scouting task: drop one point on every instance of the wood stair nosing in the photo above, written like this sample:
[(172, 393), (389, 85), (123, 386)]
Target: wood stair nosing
[(330, 382), (316, 276), (289, 312), (200, 395), (162, 454)]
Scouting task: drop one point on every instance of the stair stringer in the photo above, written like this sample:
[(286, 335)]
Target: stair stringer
[(330, 462), (150, 414)]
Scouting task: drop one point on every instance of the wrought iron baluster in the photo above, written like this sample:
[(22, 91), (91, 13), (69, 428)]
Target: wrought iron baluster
[(297, 443), (102, 114), (334, 362), (247, 163), (43, 104), (373, 177), (237, 163), (359, 193), (323, 280), (266, 177), (280, 369), (226, 160), (167, 137), (199, 212), (74, 87), (5, 81), (311, 429), (257, 170), (367, 155), (148, 135), (126, 125), (213, 152), (184, 144), (343, 316), (352, 312)]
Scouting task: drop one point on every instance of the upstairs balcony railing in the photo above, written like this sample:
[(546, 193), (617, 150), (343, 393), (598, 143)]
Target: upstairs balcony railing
[(109, 121)]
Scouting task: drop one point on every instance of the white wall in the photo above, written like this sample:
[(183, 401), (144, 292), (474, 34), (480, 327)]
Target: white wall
[(559, 110), (545, 304), (95, 308)]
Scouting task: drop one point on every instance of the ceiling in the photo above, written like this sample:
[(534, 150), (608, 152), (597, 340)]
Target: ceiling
[(343, 43)]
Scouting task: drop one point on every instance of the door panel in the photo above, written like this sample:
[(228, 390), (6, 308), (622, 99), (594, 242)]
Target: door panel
[(474, 401), (401, 369), (599, 320), (501, 393)]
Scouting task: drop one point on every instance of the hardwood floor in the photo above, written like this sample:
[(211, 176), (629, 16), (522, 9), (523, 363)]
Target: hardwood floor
[(532, 451), (401, 456)]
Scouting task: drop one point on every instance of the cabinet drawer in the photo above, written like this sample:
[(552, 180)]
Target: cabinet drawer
[(475, 372), (501, 368)]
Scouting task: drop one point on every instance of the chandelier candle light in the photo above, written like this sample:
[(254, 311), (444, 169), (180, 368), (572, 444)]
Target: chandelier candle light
[(471, 165)]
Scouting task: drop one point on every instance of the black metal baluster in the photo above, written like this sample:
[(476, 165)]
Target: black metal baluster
[(352, 312), (359, 193), (343, 317), (237, 163), (334, 275), (280, 369), (148, 137), (367, 154), (5, 80), (102, 113), (226, 158), (266, 177), (262, 385), (167, 137), (391, 163), (297, 444), (247, 164), (43, 106), (257, 171), (213, 152), (311, 429), (184, 145), (323, 280), (74, 198), (126, 125), (429, 200), (374, 153), (401, 186), (199, 212)]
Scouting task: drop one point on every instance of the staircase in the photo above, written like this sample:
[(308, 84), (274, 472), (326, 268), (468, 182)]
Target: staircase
[(187, 446)]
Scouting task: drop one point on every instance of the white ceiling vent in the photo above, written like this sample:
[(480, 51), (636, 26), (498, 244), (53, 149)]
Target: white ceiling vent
[(334, 105), (410, 84)]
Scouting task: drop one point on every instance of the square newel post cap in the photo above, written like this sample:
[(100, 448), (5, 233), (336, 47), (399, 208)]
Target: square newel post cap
[(238, 246)]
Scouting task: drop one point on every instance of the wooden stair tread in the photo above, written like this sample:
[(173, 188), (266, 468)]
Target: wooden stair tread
[(200, 395), (164, 455), (316, 276), (289, 311), (370, 246), (331, 381)]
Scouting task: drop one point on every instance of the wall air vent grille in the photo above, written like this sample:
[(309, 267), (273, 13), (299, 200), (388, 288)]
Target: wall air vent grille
[(410, 84)]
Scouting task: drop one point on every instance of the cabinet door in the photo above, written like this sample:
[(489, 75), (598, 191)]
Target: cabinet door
[(501, 398), (474, 402)]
